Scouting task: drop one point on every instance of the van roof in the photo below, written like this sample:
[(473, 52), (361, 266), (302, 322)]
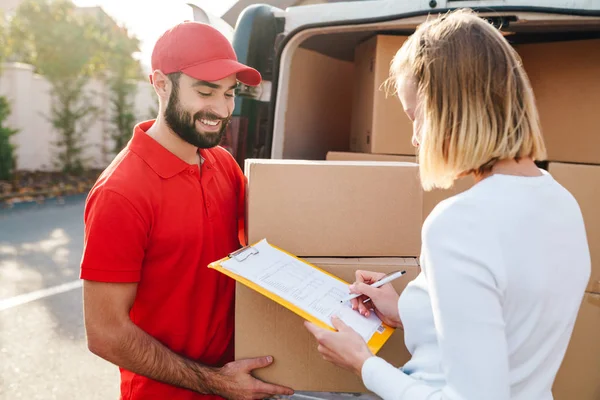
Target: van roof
[(381, 10)]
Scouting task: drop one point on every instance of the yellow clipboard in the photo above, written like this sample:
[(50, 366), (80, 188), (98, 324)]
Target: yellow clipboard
[(375, 343)]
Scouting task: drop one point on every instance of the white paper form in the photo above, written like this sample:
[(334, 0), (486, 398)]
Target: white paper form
[(309, 289)]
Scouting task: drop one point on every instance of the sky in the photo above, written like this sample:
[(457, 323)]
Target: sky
[(148, 23)]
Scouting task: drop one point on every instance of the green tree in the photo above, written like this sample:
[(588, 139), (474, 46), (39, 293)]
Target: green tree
[(7, 149), (61, 43), (123, 72), (119, 71)]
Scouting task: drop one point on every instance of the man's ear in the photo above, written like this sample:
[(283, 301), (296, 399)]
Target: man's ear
[(161, 83)]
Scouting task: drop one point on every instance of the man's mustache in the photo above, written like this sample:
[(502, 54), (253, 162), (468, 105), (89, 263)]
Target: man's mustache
[(208, 115)]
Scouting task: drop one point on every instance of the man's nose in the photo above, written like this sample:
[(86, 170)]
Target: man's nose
[(221, 109)]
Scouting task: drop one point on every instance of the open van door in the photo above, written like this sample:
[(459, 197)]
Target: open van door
[(254, 42)]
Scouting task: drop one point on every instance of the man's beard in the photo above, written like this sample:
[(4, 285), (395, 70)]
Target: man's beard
[(182, 123)]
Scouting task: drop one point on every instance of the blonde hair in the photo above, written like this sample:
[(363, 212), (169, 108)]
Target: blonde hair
[(477, 103)]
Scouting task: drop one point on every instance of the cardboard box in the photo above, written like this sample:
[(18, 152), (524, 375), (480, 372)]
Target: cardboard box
[(335, 208), (379, 124), (264, 327), (430, 199), (319, 105), (565, 77), (579, 375), (352, 156), (583, 181)]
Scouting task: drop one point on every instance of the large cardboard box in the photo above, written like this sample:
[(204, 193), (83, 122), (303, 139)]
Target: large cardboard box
[(579, 375), (335, 208), (430, 199), (565, 77), (264, 327), (379, 124), (583, 181)]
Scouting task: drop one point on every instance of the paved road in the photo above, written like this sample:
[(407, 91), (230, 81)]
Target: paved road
[(43, 354)]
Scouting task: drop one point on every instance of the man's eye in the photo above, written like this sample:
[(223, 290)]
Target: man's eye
[(204, 94), (229, 95)]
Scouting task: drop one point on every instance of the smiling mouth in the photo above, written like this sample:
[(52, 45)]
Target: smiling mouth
[(210, 122)]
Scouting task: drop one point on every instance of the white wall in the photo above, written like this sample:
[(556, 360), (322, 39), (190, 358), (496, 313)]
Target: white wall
[(29, 95), (9, 5)]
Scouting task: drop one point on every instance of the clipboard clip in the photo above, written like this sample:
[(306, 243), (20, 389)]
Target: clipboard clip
[(243, 253)]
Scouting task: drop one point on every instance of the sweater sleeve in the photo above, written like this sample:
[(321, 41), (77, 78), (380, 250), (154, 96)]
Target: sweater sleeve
[(460, 260)]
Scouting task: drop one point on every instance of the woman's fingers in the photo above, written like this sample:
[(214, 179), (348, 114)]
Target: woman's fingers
[(362, 286), (364, 308), (368, 277)]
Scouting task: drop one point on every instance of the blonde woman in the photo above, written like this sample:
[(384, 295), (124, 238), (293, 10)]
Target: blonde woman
[(504, 264)]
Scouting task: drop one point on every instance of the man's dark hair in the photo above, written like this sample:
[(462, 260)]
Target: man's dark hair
[(174, 78)]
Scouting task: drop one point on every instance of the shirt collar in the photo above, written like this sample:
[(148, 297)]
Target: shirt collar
[(161, 160)]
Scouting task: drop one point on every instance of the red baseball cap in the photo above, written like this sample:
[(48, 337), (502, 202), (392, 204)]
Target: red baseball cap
[(202, 52)]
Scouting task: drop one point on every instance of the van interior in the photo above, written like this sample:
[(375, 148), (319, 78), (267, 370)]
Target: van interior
[(317, 78)]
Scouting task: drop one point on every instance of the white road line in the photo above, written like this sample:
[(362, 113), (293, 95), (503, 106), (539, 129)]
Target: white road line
[(38, 294)]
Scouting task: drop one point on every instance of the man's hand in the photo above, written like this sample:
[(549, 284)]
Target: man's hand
[(235, 381), (112, 336)]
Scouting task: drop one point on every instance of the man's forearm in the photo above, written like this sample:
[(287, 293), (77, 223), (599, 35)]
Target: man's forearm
[(138, 352)]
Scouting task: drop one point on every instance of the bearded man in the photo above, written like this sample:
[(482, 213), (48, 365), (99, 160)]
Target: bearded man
[(169, 204)]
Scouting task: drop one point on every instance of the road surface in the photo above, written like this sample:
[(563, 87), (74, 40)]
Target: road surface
[(43, 354)]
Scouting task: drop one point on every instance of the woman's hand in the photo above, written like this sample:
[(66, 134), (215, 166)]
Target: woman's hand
[(384, 300), (344, 348)]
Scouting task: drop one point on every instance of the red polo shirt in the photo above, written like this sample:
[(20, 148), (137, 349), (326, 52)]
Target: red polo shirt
[(154, 219)]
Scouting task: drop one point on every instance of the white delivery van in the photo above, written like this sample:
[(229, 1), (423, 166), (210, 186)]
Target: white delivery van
[(323, 65)]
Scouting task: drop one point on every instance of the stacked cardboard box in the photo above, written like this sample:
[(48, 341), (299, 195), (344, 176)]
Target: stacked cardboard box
[(378, 124), (578, 377), (565, 77), (430, 198), (335, 209), (356, 214)]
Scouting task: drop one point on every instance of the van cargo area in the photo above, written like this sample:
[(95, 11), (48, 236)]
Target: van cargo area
[(324, 101)]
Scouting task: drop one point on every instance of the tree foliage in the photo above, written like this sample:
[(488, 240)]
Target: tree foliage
[(123, 74), (69, 46), (7, 148)]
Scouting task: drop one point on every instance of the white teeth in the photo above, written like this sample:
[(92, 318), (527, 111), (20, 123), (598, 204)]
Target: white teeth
[(209, 122)]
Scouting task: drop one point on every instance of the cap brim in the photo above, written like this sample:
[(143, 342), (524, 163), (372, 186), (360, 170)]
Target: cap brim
[(218, 69)]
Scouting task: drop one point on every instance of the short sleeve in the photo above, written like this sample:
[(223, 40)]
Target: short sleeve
[(242, 186), (115, 238)]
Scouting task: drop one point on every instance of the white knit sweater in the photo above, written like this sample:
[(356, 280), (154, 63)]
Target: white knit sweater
[(504, 269)]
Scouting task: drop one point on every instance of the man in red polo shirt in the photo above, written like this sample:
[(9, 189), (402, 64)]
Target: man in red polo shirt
[(170, 203)]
